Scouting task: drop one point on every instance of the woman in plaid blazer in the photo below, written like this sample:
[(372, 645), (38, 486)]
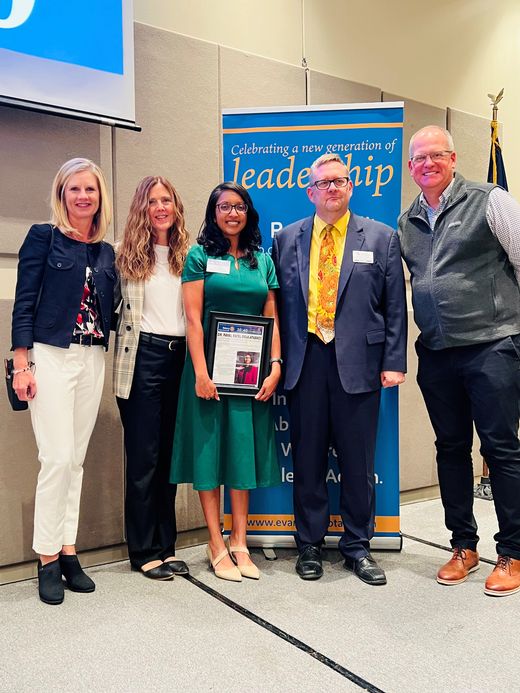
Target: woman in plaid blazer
[(149, 357)]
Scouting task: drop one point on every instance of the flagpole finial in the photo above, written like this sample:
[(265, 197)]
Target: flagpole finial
[(495, 100)]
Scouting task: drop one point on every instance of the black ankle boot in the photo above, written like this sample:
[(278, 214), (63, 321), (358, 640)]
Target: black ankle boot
[(77, 580), (50, 586)]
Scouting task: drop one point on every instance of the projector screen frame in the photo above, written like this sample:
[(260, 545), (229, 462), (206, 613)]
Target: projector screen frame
[(69, 113)]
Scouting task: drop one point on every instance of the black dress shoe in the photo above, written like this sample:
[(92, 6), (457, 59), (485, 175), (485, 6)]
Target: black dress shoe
[(50, 586), (160, 572), (178, 567), (76, 579), (366, 569), (308, 565)]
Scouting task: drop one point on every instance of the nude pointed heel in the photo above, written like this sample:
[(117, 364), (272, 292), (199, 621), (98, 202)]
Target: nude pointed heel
[(248, 571), (232, 574)]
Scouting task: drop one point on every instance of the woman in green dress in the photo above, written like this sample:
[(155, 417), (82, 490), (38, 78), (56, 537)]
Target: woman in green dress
[(230, 439)]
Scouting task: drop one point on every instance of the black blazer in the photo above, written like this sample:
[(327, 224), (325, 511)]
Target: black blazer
[(50, 285)]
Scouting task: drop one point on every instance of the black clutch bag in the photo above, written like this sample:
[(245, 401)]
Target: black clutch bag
[(16, 404)]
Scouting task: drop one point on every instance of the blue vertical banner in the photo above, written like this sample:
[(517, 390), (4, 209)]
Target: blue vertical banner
[(269, 152)]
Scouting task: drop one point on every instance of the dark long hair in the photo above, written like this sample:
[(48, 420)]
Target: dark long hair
[(211, 237)]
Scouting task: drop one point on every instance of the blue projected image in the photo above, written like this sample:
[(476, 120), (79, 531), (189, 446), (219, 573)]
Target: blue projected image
[(89, 35)]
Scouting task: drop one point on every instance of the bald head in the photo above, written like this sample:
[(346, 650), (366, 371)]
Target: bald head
[(432, 132), (432, 161)]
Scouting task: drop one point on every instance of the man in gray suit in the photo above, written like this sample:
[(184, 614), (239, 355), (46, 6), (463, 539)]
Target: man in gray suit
[(461, 242), (343, 328)]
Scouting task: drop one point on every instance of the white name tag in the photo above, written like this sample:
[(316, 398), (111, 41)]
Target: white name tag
[(365, 256), (218, 266)]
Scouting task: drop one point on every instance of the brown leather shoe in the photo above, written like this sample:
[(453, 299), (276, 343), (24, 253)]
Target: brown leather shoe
[(456, 570), (505, 578)]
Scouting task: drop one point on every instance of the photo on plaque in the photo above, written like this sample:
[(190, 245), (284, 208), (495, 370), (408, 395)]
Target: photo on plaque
[(238, 351), (246, 371)]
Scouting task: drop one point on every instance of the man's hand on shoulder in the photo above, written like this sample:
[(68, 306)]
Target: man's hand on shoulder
[(391, 378)]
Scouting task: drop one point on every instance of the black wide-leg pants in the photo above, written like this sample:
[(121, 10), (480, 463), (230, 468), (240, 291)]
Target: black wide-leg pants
[(321, 413), (476, 384), (148, 418)]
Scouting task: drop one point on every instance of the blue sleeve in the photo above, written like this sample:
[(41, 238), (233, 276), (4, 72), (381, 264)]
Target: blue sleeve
[(32, 259), (396, 318)]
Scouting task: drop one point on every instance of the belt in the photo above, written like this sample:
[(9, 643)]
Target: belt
[(86, 340), (162, 340)]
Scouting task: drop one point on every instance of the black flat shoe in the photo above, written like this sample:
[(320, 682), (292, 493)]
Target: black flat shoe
[(77, 580), (308, 565), (177, 567), (50, 586), (366, 569), (160, 572)]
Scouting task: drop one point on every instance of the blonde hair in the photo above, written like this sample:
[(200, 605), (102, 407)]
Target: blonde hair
[(60, 217), (326, 159), (135, 252)]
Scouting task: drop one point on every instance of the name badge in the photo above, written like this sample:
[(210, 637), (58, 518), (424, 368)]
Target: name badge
[(364, 256), (218, 266)]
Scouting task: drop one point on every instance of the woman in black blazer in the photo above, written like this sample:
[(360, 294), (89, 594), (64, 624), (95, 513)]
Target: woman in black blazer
[(61, 322)]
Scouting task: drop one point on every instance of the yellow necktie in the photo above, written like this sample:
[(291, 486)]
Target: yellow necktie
[(328, 278)]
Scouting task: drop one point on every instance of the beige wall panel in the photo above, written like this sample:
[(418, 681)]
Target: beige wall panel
[(472, 137), (329, 89), (416, 116), (101, 518), (177, 108), (33, 146), (106, 136), (247, 81), (416, 438), (271, 28), (188, 511)]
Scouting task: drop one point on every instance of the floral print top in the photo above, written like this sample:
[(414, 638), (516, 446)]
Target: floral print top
[(88, 320)]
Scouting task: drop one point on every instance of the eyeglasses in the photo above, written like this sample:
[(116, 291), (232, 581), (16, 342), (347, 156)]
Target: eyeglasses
[(434, 156), (338, 183), (226, 207)]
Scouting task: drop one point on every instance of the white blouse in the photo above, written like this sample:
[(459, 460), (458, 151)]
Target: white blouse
[(162, 307)]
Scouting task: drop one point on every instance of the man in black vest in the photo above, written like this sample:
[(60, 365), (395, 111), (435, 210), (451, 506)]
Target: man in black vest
[(461, 243)]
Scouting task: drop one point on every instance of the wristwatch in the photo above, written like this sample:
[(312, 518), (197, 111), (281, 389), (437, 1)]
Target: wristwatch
[(280, 361)]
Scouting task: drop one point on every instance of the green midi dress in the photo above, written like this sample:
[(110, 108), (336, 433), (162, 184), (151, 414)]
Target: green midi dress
[(230, 441)]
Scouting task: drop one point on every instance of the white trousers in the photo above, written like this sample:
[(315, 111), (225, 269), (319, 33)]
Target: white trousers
[(63, 413)]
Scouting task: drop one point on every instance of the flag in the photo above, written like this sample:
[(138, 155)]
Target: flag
[(497, 175), (496, 170)]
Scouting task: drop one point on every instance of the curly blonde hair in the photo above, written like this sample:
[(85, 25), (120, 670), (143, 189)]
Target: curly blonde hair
[(135, 252)]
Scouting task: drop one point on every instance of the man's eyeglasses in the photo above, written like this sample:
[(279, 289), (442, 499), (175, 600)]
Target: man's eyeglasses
[(226, 207), (338, 183), (419, 159)]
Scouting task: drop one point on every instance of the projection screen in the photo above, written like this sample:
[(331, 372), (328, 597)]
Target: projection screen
[(68, 58)]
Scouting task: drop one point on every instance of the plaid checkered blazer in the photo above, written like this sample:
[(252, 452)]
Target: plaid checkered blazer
[(129, 296)]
